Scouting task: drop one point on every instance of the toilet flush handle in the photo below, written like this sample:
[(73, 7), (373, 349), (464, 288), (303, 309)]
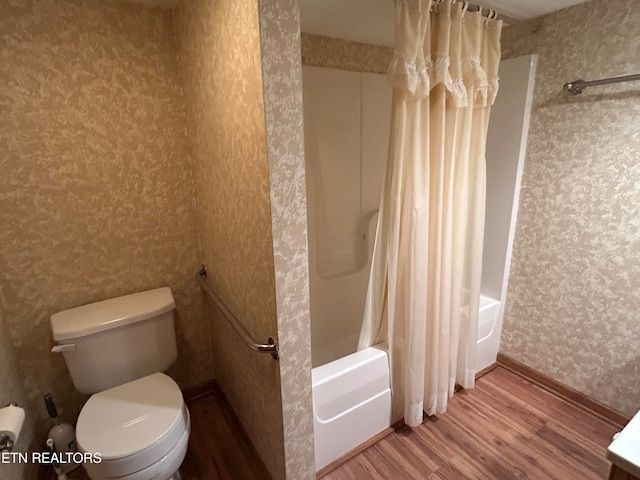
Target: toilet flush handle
[(67, 347)]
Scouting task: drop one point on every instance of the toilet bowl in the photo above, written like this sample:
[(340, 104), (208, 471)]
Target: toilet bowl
[(140, 429), (136, 418)]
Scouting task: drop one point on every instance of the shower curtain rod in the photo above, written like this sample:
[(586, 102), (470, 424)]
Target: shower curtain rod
[(499, 16), (577, 86)]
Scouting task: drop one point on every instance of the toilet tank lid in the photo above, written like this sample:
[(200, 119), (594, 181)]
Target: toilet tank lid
[(107, 314)]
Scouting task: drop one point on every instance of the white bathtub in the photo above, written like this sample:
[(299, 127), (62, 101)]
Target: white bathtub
[(488, 333), (351, 402), (352, 395)]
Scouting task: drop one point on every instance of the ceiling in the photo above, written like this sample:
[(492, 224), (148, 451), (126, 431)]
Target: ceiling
[(164, 4), (371, 21)]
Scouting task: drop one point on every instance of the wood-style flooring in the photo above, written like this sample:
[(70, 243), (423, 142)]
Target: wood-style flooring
[(218, 447), (505, 428)]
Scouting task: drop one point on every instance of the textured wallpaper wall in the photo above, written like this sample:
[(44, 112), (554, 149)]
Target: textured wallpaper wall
[(96, 197), (220, 60), (12, 391), (328, 52), (282, 84), (573, 304)]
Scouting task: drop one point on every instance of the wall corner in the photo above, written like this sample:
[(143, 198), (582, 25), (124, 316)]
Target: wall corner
[(282, 89)]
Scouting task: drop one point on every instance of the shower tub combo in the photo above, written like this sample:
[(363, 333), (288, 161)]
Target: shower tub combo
[(346, 123)]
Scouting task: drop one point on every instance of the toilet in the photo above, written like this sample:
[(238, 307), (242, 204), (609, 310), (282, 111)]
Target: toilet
[(136, 418)]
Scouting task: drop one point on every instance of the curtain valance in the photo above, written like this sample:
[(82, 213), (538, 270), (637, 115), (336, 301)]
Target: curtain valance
[(448, 46)]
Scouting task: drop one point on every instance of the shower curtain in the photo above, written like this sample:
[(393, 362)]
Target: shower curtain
[(424, 286)]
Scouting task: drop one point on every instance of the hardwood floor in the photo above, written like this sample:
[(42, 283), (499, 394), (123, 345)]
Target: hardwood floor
[(505, 428), (218, 446)]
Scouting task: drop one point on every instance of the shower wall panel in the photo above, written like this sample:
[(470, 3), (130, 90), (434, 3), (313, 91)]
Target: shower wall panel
[(332, 146), (347, 118)]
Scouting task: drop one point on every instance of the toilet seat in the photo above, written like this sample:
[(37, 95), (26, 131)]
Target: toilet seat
[(134, 426), (163, 469)]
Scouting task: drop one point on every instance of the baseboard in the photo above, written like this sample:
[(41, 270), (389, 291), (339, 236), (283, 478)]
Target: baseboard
[(195, 392), (359, 449), (571, 395)]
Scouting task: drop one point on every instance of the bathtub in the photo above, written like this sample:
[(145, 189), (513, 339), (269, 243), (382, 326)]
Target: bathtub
[(352, 395), (489, 327), (351, 402)]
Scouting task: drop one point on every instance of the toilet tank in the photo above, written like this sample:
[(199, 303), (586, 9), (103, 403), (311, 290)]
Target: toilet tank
[(115, 341)]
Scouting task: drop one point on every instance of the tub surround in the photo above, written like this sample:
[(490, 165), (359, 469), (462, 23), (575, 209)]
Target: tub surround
[(97, 193), (488, 333), (505, 156), (572, 304), (347, 117)]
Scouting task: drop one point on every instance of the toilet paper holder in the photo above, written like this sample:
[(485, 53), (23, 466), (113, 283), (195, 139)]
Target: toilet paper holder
[(6, 444)]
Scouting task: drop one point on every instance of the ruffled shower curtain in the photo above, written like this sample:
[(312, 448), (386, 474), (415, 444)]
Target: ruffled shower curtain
[(424, 286)]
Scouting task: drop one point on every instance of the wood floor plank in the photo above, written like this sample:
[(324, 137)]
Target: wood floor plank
[(458, 468), (506, 428), (442, 441), (520, 449), (509, 406), (407, 460), (372, 468), (486, 449), (411, 446), (579, 449), (217, 449), (505, 438), (357, 471), (550, 405)]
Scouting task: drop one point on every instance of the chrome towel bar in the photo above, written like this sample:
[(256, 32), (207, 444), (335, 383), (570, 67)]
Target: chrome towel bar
[(269, 347), (577, 86)]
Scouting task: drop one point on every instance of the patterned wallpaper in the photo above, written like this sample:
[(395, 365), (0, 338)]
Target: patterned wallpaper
[(13, 392), (220, 60), (282, 79), (96, 198), (573, 304), (328, 52)]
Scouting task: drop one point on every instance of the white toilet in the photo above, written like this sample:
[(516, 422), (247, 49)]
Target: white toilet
[(136, 417)]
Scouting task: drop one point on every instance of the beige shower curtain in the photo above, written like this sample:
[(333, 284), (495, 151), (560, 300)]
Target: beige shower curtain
[(424, 286)]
